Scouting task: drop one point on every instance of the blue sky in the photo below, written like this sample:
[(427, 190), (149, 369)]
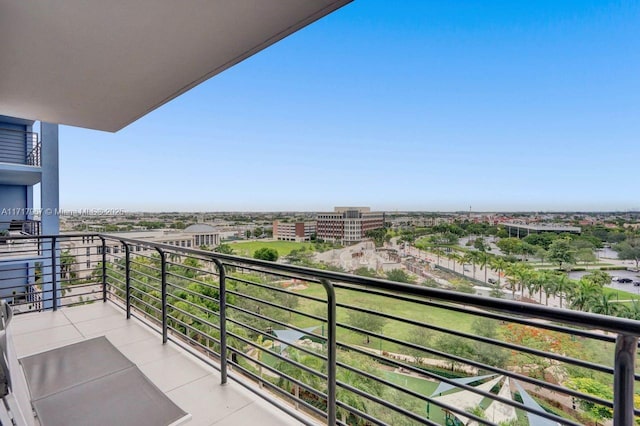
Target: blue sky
[(401, 105)]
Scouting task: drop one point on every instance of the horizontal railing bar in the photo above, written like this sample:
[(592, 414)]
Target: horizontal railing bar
[(274, 321), (264, 396), (274, 305), (145, 304), (617, 325), (190, 315), (486, 314), (280, 290), (399, 409), (255, 345), (278, 372), (402, 389), (477, 365), (478, 338)]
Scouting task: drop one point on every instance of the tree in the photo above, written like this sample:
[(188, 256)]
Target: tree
[(297, 373), (485, 352), (605, 305), (483, 258), (480, 245), (258, 232), (563, 286), (561, 252), (629, 250), (470, 257), (584, 295), (593, 387), (400, 276), (454, 345), (599, 278), (421, 337), (509, 245), (224, 249), (363, 271), (541, 254), (266, 253), (377, 235), (456, 258), (366, 321), (247, 233), (67, 262), (498, 264), (585, 255)]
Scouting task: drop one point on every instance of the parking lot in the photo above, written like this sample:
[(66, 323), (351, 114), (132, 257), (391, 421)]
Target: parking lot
[(634, 276)]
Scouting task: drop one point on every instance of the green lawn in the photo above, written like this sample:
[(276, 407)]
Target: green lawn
[(436, 316), (247, 248), (621, 294)]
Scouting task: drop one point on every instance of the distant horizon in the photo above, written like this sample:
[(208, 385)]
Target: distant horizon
[(127, 211)]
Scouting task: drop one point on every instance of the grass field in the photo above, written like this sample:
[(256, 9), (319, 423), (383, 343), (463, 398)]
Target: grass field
[(436, 316), (621, 294), (247, 248)]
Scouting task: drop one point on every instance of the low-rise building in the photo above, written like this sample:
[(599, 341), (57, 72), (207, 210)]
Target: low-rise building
[(87, 251), (348, 224), (293, 231)]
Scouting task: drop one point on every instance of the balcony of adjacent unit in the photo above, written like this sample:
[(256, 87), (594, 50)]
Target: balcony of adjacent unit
[(20, 162), (218, 333)]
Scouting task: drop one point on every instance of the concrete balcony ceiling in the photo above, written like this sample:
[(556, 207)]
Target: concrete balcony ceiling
[(104, 64)]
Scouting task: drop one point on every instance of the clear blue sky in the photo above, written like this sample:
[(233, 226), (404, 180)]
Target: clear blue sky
[(397, 105)]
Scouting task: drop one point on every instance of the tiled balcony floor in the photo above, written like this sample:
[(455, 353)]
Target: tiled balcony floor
[(190, 383)]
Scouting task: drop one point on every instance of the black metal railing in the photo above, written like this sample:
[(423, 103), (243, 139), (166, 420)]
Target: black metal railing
[(20, 147), (349, 349), (19, 227)]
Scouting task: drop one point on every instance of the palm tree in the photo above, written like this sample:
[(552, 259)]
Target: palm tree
[(498, 264), (524, 276), (550, 284), (633, 311), (603, 304), (563, 286), (456, 258), (584, 295), (483, 258), (438, 252), (469, 257), (298, 373), (512, 278), (536, 284)]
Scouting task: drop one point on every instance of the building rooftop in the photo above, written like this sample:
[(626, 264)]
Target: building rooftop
[(200, 227), (187, 381)]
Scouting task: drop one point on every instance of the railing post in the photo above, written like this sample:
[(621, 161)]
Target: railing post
[(623, 379), (163, 289), (331, 353), (54, 278), (104, 269), (127, 280), (222, 296)]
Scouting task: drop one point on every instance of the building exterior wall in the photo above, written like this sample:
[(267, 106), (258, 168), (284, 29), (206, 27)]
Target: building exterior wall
[(17, 141), (87, 251), (348, 224), (293, 231)]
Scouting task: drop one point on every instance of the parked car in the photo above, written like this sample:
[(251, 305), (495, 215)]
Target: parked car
[(492, 281), (625, 280), (636, 283)]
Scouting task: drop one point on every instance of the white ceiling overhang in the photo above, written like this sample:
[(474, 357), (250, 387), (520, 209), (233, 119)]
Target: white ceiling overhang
[(103, 64)]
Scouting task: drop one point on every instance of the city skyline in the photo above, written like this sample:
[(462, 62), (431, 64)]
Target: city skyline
[(425, 107)]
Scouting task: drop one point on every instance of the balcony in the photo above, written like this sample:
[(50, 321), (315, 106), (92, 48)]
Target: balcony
[(325, 347), (20, 157)]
